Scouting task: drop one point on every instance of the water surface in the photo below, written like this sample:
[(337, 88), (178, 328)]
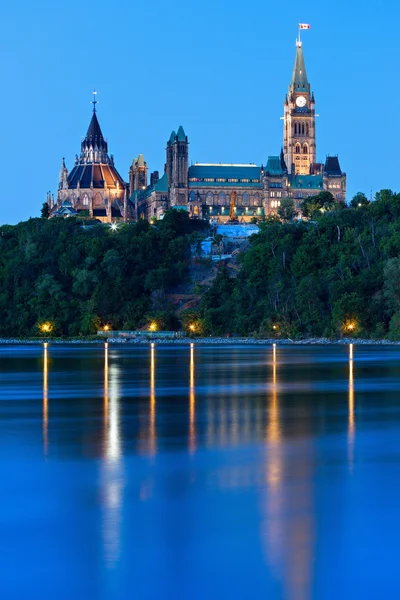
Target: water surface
[(197, 472)]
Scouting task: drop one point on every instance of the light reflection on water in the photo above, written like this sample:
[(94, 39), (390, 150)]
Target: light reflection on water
[(200, 453), (112, 476)]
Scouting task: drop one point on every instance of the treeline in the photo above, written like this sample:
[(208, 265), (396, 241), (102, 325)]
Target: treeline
[(76, 277), (337, 274)]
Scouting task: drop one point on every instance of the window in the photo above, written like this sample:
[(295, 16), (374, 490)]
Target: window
[(191, 196), (221, 180), (295, 129), (246, 199), (305, 149), (255, 180), (209, 199), (85, 200), (232, 180), (245, 180), (307, 129), (275, 184), (279, 194), (221, 198), (297, 150), (272, 194), (256, 199)]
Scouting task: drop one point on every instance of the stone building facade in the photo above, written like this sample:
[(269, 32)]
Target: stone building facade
[(205, 190)]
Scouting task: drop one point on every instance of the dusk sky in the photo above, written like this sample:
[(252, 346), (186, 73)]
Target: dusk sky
[(220, 69)]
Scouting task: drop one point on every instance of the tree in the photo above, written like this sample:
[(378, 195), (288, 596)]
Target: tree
[(286, 211), (45, 211), (313, 206), (359, 200)]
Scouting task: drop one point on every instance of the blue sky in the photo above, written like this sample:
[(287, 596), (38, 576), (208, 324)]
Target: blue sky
[(221, 69)]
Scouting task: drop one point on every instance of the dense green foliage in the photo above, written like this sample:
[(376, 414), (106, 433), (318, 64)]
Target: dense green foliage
[(78, 276), (338, 274)]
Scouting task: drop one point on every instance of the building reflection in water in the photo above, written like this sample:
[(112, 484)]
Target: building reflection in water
[(288, 524), (45, 399), (192, 404), (351, 429), (112, 469)]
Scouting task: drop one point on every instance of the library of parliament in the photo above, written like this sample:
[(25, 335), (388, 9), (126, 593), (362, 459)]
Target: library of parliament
[(204, 190)]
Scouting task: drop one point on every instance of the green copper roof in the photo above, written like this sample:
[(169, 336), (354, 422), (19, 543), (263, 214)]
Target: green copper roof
[(140, 160), (181, 134), (274, 166), (306, 182), (299, 77), (172, 137), (224, 171), (162, 184)]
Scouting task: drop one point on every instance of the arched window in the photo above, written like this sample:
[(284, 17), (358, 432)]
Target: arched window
[(196, 211), (307, 129), (209, 199), (295, 129), (305, 149), (297, 149), (256, 199), (302, 129), (85, 200), (191, 196), (221, 198), (246, 199)]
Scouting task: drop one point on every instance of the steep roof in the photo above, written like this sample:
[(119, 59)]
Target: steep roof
[(98, 175), (181, 134), (172, 137), (274, 166), (162, 184), (332, 167), (299, 76)]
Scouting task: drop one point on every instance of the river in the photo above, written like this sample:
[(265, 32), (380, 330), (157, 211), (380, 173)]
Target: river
[(191, 472)]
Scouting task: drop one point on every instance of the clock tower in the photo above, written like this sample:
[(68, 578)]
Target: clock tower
[(299, 145)]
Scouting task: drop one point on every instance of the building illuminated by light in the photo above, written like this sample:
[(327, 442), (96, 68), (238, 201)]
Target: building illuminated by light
[(205, 190)]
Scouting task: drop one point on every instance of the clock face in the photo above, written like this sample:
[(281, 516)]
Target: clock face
[(301, 101)]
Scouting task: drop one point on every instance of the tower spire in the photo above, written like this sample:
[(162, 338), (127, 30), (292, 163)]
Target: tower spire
[(94, 101), (299, 76)]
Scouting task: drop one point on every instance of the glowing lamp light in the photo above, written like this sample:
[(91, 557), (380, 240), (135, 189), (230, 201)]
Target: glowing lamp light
[(350, 326), (153, 326), (275, 327), (114, 226), (106, 328), (46, 327), (192, 327)]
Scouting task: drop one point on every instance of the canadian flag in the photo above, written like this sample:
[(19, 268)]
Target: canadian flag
[(304, 26)]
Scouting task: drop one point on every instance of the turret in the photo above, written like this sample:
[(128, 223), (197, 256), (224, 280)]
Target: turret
[(138, 174), (63, 183)]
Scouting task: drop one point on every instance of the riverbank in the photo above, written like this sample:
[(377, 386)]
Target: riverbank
[(201, 341)]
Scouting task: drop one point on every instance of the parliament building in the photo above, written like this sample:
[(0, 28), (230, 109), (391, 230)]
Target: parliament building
[(204, 190)]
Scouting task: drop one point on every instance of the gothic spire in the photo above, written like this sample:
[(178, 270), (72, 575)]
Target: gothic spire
[(299, 77), (94, 148)]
